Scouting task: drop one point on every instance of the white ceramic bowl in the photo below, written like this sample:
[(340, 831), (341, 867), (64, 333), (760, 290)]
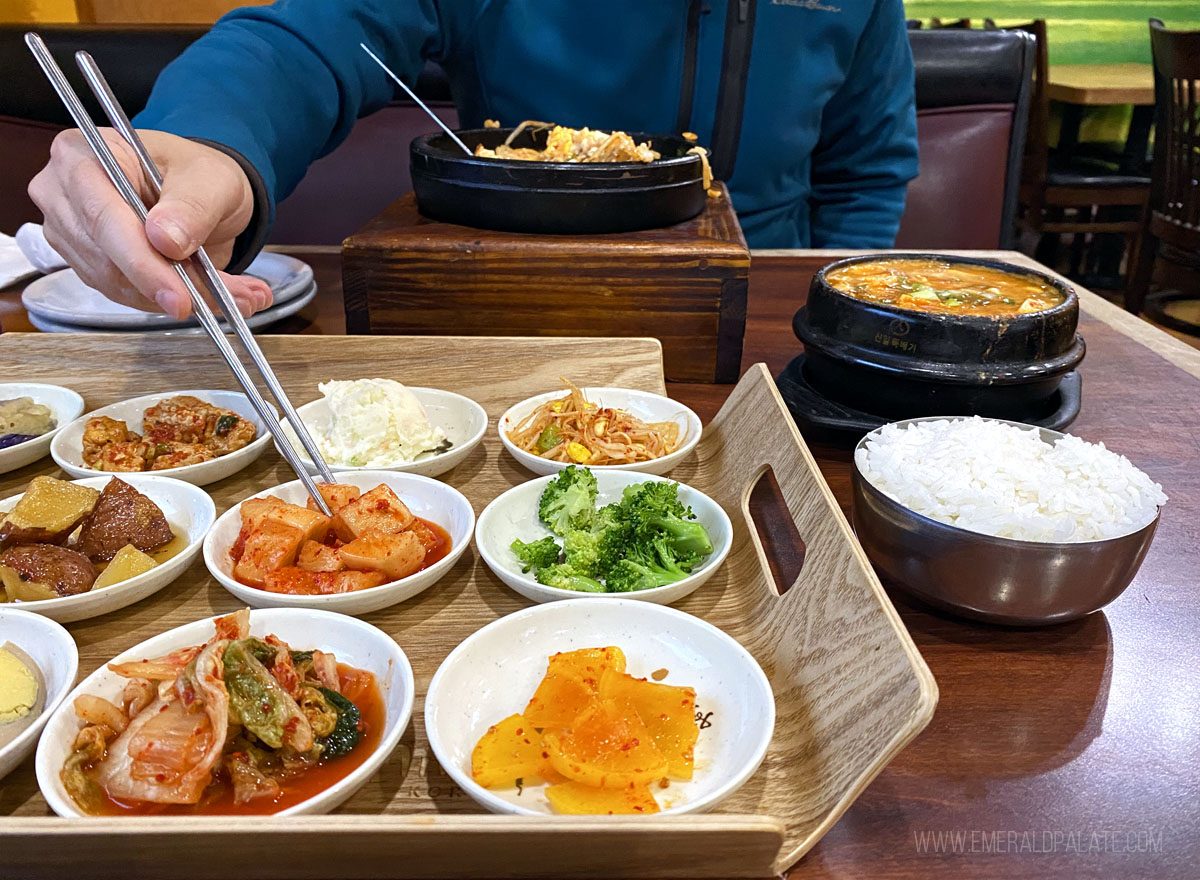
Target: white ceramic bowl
[(425, 497), (63, 402), (67, 447), (515, 515), (646, 406), (53, 650), (461, 419), (188, 509), (354, 642), (494, 672)]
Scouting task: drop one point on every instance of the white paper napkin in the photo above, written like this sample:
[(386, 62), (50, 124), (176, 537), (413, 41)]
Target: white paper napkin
[(14, 265), (32, 242)]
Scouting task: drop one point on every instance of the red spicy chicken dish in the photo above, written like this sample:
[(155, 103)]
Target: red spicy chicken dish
[(239, 724), (177, 431), (371, 539)]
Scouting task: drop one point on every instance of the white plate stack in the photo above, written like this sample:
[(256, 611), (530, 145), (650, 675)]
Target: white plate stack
[(62, 303)]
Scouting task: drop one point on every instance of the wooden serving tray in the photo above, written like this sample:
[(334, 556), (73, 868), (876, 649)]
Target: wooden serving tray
[(850, 687)]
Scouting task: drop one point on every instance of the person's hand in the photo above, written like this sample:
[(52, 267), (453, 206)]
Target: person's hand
[(206, 200)]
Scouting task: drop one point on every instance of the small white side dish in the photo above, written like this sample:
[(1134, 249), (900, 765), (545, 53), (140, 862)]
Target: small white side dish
[(53, 650), (515, 515), (188, 509), (67, 448), (493, 673), (63, 402), (425, 497), (646, 406), (461, 419), (354, 642)]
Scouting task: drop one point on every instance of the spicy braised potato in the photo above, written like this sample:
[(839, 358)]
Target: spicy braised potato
[(668, 712), (607, 746), (379, 511), (123, 515), (510, 750), (588, 664), (396, 556), (129, 562), (31, 572), (48, 512), (575, 798), (558, 700)]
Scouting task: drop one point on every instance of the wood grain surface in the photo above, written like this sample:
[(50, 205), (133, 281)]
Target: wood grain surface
[(1063, 752), (685, 284), (851, 688), (1099, 84)]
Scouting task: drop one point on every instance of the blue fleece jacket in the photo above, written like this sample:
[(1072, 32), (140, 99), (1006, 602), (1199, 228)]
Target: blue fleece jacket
[(828, 136)]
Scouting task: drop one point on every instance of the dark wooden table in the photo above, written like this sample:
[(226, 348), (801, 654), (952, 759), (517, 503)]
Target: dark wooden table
[(1072, 751)]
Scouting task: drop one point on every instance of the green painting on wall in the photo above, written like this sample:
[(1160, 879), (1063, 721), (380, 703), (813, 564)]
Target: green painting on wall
[(1080, 31)]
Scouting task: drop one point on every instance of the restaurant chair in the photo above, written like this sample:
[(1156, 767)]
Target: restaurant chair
[(972, 107), (1074, 195), (1170, 251), (960, 24)]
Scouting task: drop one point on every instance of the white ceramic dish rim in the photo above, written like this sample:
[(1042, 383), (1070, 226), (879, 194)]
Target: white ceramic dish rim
[(62, 420), (713, 561), (518, 411), (201, 503), (26, 737), (482, 795), (401, 671), (268, 316), (246, 453), (459, 451), (287, 276), (457, 549)]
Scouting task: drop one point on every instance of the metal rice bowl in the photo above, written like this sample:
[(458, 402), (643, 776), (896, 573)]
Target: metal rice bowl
[(997, 580)]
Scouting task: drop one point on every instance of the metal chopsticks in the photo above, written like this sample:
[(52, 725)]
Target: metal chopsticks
[(200, 260), (420, 103)]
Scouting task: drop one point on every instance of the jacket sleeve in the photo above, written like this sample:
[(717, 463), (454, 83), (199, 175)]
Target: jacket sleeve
[(282, 85), (867, 150)]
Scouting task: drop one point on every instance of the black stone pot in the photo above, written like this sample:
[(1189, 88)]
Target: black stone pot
[(513, 195), (902, 363)]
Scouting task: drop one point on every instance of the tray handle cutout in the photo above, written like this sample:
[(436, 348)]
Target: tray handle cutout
[(780, 547), (759, 436)]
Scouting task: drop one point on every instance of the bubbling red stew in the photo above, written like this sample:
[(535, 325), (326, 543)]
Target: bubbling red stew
[(945, 288)]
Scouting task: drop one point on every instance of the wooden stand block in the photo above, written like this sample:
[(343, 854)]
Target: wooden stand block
[(685, 285)]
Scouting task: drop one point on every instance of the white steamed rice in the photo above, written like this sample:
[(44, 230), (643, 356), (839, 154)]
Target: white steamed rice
[(998, 479)]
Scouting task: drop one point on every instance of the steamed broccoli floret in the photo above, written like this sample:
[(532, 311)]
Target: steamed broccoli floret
[(563, 577), (536, 554), (569, 500), (654, 507), (582, 551), (652, 564)]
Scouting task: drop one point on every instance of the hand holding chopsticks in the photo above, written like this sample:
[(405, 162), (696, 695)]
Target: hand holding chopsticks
[(200, 260)]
